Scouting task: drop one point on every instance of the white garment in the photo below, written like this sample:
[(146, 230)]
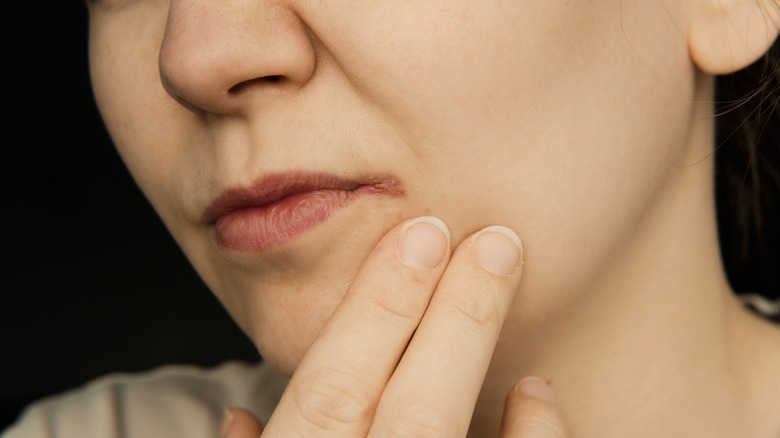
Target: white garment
[(171, 401), (175, 401)]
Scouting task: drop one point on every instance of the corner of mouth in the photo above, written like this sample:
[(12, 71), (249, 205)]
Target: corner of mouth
[(389, 185)]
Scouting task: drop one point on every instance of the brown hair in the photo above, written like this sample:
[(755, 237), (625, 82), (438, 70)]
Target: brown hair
[(747, 179)]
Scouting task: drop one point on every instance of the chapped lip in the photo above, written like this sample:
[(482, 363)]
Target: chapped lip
[(274, 187)]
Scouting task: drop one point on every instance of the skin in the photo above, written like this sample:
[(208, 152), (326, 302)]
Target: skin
[(585, 127)]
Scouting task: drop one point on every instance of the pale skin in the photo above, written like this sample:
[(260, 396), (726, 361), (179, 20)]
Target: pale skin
[(584, 126)]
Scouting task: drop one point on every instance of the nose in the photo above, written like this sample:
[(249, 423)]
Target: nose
[(218, 56)]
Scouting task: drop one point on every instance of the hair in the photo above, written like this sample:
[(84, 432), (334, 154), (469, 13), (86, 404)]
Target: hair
[(747, 174)]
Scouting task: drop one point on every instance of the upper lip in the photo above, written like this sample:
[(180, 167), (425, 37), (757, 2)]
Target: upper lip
[(273, 187)]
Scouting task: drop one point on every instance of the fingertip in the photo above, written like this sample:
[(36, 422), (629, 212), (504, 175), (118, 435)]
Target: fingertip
[(239, 423), (424, 242), (498, 250), (531, 411), (535, 387), (227, 421)]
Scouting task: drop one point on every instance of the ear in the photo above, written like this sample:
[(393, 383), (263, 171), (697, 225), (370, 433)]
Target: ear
[(728, 35)]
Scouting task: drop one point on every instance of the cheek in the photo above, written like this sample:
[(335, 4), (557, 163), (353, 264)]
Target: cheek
[(126, 85), (440, 69), (561, 119), (150, 130)]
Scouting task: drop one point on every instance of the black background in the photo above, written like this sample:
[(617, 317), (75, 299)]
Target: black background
[(94, 283)]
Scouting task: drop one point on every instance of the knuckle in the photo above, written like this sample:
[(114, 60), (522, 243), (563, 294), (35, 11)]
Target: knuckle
[(393, 309), (419, 420), (329, 400), (483, 308)]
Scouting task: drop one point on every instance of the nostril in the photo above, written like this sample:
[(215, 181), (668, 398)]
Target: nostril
[(271, 79)]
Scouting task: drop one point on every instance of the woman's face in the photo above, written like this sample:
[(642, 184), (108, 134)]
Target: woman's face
[(559, 119)]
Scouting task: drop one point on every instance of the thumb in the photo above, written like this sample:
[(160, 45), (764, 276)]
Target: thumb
[(240, 423), (531, 411)]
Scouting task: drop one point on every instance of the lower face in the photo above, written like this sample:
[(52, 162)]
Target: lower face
[(558, 119)]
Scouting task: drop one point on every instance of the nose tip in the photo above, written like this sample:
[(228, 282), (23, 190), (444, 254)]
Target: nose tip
[(218, 57)]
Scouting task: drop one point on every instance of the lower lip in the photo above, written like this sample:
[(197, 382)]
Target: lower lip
[(269, 226)]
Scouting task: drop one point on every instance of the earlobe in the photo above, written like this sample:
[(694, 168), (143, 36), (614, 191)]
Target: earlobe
[(728, 35)]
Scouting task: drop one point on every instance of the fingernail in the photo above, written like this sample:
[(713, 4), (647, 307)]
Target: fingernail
[(537, 388), (497, 249), (227, 420), (424, 242)]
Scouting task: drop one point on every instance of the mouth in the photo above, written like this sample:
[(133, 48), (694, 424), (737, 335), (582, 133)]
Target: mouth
[(278, 208)]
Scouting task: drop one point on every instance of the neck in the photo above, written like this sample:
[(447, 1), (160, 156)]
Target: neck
[(655, 346)]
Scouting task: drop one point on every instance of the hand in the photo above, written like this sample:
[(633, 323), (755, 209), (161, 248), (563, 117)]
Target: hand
[(529, 412), (406, 352)]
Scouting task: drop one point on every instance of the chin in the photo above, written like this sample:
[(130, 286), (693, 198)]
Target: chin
[(283, 301), (282, 360), (287, 324), (283, 351)]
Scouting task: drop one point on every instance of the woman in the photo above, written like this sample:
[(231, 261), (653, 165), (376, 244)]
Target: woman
[(350, 179)]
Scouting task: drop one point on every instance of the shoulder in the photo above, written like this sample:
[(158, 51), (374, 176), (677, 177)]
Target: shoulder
[(171, 401)]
